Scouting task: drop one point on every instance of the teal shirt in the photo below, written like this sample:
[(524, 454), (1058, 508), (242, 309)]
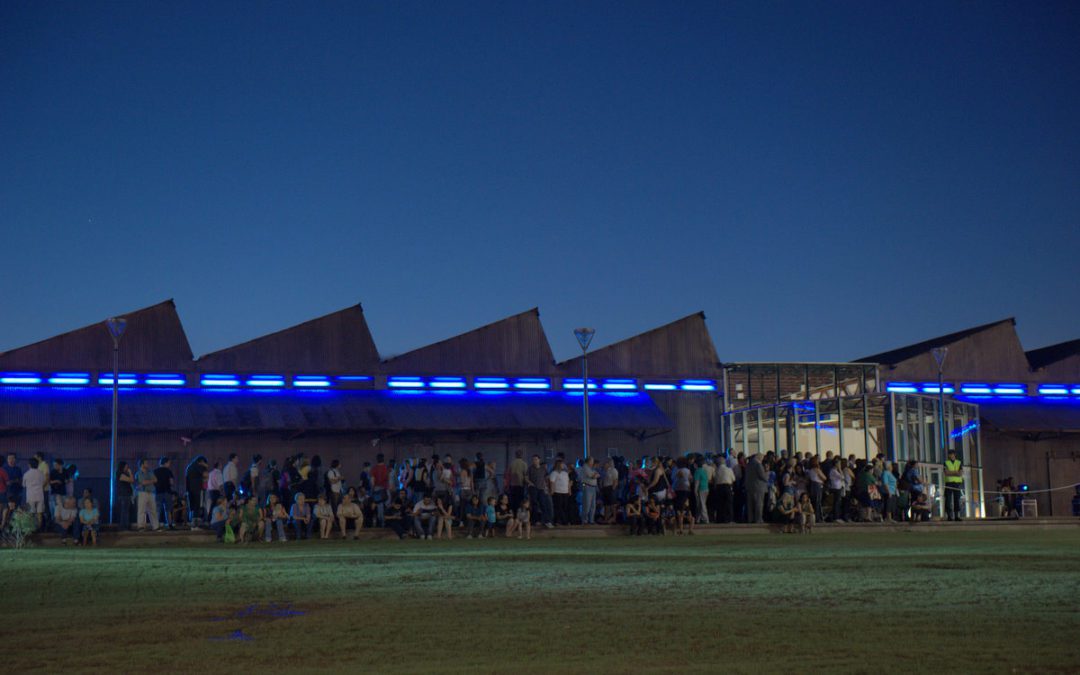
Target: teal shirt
[(490, 513), (701, 479), (88, 516)]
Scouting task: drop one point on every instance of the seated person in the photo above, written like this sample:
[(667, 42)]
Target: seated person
[(346, 511), (425, 517), (300, 516), (474, 517), (652, 517), (6, 512), (920, 509), (805, 516), (394, 516), (274, 517), (179, 513), (871, 503), (87, 493), (787, 508), (445, 516), (668, 509), (250, 520), (524, 519), (634, 517), (504, 515), (219, 517), (88, 522), (67, 520), (325, 515)]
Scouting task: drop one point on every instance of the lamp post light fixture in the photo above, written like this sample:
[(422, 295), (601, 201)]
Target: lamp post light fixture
[(939, 356), (116, 326), (584, 337)]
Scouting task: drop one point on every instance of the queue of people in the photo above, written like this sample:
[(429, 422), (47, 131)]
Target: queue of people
[(430, 498)]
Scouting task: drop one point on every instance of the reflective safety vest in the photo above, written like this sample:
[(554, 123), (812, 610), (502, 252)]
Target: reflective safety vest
[(953, 465)]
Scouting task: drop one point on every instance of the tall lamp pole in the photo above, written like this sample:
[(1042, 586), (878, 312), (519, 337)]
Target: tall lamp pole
[(116, 326), (939, 356), (584, 337)]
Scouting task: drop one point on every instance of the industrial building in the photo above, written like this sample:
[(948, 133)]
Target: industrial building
[(322, 388)]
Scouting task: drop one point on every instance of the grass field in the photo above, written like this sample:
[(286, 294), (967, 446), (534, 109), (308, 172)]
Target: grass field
[(861, 601)]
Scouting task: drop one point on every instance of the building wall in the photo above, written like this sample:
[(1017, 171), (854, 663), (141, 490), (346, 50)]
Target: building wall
[(1042, 464), (994, 354)]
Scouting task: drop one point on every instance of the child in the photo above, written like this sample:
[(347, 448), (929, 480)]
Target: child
[(524, 519), (274, 515), (920, 510), (489, 513), (684, 518), (325, 514), (652, 517), (669, 517), (474, 517), (634, 519), (219, 516), (805, 516), (88, 519)]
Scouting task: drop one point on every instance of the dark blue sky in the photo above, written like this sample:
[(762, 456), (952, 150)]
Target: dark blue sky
[(825, 180)]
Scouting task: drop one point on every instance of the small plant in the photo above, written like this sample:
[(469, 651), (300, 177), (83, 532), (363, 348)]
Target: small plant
[(20, 530)]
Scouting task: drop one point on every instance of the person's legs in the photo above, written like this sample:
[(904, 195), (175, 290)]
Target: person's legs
[(703, 506), (418, 527), (816, 491), (547, 508), (164, 506), (588, 505), (727, 504)]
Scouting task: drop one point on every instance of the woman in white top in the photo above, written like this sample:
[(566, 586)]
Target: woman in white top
[(559, 479)]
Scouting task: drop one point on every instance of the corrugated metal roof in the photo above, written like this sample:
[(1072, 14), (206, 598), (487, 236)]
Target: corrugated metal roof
[(1040, 358), (191, 409), (1031, 415)]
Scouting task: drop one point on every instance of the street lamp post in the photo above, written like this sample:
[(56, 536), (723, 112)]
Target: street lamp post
[(116, 327), (584, 337)]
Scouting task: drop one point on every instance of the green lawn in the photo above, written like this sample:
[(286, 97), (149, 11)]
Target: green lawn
[(860, 601)]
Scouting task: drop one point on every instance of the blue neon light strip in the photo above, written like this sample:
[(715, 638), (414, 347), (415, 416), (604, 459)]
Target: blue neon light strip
[(70, 378), (310, 381), (220, 381), (532, 383), (266, 381), (970, 426), (1076, 391), (447, 383), (491, 383), (932, 388), (1053, 390), (124, 380), (353, 378), (619, 385), (698, 385), (20, 378), (1010, 389), (165, 380), (660, 386), (901, 388), (402, 382), (975, 389), (575, 383)]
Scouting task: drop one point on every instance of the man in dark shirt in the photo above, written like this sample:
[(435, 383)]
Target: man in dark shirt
[(164, 475), (14, 479), (193, 483)]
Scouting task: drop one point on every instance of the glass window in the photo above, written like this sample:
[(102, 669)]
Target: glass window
[(854, 428)]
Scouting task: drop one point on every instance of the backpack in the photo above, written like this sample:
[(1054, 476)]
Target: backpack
[(230, 536)]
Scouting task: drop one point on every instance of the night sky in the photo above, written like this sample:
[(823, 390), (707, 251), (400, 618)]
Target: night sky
[(825, 180)]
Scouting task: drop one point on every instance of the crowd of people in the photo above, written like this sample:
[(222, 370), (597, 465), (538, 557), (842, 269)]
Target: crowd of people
[(427, 498)]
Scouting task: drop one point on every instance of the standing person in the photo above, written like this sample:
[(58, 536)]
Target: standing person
[(251, 478), (215, 483), (724, 482), (701, 489), (230, 474), (634, 517), (34, 489), (539, 492), (836, 490), (757, 484), (268, 481), (13, 475), (334, 482), (491, 482), (194, 480), (125, 493), (515, 478), (889, 487), (57, 476), (145, 501), (380, 488), (682, 482), (523, 518), (163, 491), (816, 480), (954, 487), (560, 492), (590, 488), (609, 484)]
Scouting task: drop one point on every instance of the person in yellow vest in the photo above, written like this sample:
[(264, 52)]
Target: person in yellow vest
[(954, 486)]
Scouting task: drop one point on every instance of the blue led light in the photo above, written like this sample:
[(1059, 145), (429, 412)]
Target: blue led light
[(970, 426), (619, 385), (1010, 389), (532, 383), (266, 381), (660, 386), (1076, 391), (353, 378), (1053, 390), (165, 380), (70, 378), (124, 379), (976, 389), (220, 381), (311, 381), (901, 388), (932, 388), (447, 383), (20, 378), (575, 383), (405, 382), (490, 383), (698, 385)]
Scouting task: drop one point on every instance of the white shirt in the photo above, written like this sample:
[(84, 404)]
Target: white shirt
[(724, 475), (214, 481), (34, 483), (334, 476), (560, 482), (229, 473)]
